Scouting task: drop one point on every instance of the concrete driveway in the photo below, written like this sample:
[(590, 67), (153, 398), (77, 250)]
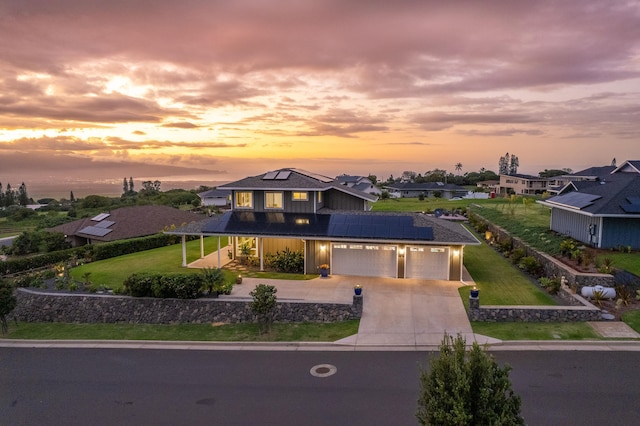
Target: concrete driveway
[(397, 312)]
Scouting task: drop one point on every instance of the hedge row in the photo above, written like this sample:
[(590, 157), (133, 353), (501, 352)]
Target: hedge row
[(176, 286), (88, 252)]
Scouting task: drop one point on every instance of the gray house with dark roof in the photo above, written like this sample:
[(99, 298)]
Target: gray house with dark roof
[(332, 224), (427, 189), (601, 207), (123, 223)]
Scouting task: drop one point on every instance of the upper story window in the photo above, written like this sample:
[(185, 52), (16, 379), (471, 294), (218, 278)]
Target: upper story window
[(244, 200), (300, 196), (319, 197), (273, 200)]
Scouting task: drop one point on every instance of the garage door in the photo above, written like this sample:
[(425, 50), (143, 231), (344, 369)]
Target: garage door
[(427, 262), (370, 260)]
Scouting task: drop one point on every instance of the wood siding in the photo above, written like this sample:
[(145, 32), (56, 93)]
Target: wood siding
[(618, 232), (274, 245), (337, 200), (574, 225)]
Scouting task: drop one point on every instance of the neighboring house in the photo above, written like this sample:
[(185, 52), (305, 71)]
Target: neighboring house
[(361, 183), (557, 183), (522, 184), (331, 223), (123, 223), (490, 185), (428, 189), (215, 198), (601, 207)]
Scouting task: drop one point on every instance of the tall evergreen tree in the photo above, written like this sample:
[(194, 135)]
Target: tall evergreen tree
[(513, 165), (23, 197), (125, 187), (130, 184), (71, 197), (1, 196), (9, 196)]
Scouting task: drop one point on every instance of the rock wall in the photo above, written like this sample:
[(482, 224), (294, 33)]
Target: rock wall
[(82, 308), (581, 311)]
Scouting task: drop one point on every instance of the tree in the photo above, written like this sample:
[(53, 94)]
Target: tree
[(466, 387), (7, 304), (23, 198), (125, 186), (9, 196), (131, 184), (458, 167), (373, 179), (213, 280), (513, 165), (503, 164), (264, 305), (71, 197)]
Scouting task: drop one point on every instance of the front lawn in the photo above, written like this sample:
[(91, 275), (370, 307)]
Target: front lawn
[(164, 260), (417, 205), (628, 261), (298, 332), (632, 318), (535, 331), (499, 282)]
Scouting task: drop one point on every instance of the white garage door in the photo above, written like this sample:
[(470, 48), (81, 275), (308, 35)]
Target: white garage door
[(427, 262), (370, 260)]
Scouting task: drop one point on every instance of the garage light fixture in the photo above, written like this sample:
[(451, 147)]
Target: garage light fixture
[(456, 252), (401, 252), (323, 247)]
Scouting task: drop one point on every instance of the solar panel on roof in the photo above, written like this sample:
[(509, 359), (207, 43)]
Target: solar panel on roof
[(100, 217), (633, 200), (631, 208), (270, 176), (283, 175), (104, 224), (576, 200), (95, 231)]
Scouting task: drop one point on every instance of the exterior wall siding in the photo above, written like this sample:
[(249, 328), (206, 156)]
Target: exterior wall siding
[(618, 232), (455, 263), (315, 256), (337, 200), (273, 245), (574, 225)]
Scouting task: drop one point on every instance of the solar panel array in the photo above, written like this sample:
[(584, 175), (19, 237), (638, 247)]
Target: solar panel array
[(95, 231), (576, 200), (339, 226), (100, 217), (633, 206), (104, 224), (277, 175)]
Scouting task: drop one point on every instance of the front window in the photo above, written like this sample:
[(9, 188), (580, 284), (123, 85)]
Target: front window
[(244, 200), (273, 200), (300, 196)]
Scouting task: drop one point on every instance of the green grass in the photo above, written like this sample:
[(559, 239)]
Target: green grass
[(415, 205), (536, 331), (164, 260), (9, 228), (499, 282), (308, 332), (632, 319), (627, 261)]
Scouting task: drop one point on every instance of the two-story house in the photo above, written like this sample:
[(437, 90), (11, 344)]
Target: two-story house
[(520, 184), (332, 224)]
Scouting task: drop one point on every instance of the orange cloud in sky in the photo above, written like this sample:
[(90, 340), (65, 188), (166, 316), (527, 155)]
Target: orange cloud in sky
[(241, 87)]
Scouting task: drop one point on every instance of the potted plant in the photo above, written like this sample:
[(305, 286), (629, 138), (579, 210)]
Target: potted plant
[(357, 289), (324, 270)]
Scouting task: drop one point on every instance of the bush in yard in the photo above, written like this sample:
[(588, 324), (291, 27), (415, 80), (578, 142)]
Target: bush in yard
[(517, 255), (466, 387), (7, 303), (140, 284), (286, 261), (531, 266), (213, 280), (552, 285), (264, 305)]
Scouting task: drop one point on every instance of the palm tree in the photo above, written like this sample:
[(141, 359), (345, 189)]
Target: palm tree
[(458, 167)]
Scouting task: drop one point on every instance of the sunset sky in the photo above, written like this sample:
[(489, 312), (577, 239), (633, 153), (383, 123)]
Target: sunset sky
[(224, 89)]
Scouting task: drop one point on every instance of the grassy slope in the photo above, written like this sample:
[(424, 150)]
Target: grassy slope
[(535, 331), (498, 281)]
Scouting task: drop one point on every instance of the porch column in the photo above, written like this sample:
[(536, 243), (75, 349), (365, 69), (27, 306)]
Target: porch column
[(201, 246), (219, 264), (261, 254), (184, 251)]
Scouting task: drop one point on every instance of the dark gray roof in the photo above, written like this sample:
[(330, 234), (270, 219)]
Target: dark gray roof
[(348, 179), (595, 171), (215, 193), (126, 222), (297, 179), (426, 186), (609, 196), (529, 177), (355, 226)]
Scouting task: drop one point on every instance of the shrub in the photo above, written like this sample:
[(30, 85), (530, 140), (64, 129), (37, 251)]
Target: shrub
[(7, 303), (506, 245), (286, 261), (213, 280), (140, 284), (552, 285), (466, 387), (517, 255), (605, 266), (624, 294), (180, 286), (567, 246), (264, 305), (530, 265)]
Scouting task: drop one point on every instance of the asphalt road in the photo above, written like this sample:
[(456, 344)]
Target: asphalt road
[(125, 386)]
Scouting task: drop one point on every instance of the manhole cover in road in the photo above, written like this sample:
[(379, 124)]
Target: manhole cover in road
[(323, 370)]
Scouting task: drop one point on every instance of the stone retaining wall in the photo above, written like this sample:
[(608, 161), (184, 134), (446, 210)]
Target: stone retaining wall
[(580, 312), (82, 308), (552, 267)]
